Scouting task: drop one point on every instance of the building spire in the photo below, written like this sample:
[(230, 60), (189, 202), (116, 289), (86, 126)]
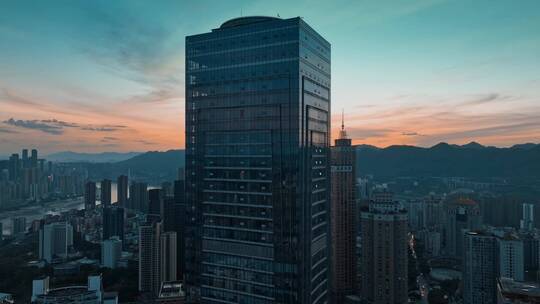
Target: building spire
[(342, 119), (342, 133)]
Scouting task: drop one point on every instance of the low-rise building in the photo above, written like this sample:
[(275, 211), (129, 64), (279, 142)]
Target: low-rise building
[(172, 292), (514, 292), (92, 293)]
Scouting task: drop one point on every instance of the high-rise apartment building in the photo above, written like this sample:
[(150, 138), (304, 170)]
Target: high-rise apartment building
[(122, 190), (105, 192), (14, 167), (257, 162), (113, 222), (34, 159), (384, 251), (90, 195), (479, 268), (25, 160), (343, 218), (149, 257), (138, 196), (527, 218), (511, 257), (463, 214), (155, 201), (168, 256)]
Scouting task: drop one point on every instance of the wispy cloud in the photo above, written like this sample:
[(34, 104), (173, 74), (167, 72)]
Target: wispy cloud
[(57, 127), (8, 131), (35, 125), (145, 142)]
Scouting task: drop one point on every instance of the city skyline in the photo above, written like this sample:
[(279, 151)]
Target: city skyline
[(109, 76)]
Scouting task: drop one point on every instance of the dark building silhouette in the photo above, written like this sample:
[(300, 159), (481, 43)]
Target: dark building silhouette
[(105, 192), (479, 268), (138, 196), (34, 159), (14, 167), (343, 218), (461, 214), (25, 159), (168, 256), (90, 195), (154, 201), (113, 222), (122, 190), (149, 257), (179, 191), (173, 215), (384, 250), (257, 162)]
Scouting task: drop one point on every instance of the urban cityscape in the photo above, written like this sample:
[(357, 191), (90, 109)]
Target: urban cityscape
[(273, 186)]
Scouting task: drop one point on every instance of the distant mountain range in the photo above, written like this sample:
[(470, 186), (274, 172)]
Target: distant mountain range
[(105, 157), (151, 167), (470, 160)]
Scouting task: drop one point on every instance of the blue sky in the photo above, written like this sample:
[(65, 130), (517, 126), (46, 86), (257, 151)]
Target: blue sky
[(108, 75)]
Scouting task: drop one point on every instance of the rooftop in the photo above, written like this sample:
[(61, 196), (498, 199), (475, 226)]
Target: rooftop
[(246, 20), (172, 289), (509, 286)]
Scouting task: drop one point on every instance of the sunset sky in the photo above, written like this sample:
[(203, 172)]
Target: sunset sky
[(93, 76)]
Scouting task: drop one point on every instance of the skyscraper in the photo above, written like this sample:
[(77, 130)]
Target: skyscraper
[(462, 214), (25, 160), (14, 167), (113, 222), (34, 159), (173, 215), (111, 252), (257, 162), (105, 192), (155, 201), (527, 219), (90, 195), (138, 195), (149, 257), (479, 268), (384, 251), (511, 257), (343, 218), (168, 256), (122, 190)]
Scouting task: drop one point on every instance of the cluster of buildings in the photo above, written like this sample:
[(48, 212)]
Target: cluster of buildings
[(26, 177)]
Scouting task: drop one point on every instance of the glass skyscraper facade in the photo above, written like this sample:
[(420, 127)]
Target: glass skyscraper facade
[(257, 153)]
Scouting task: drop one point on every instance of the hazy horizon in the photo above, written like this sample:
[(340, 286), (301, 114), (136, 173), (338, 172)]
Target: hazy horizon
[(109, 76)]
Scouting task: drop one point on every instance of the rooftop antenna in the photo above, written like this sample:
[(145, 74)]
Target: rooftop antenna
[(278, 15), (342, 119), (342, 133)]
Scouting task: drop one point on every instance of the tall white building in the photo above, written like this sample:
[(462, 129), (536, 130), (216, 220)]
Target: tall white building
[(55, 240), (111, 252)]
